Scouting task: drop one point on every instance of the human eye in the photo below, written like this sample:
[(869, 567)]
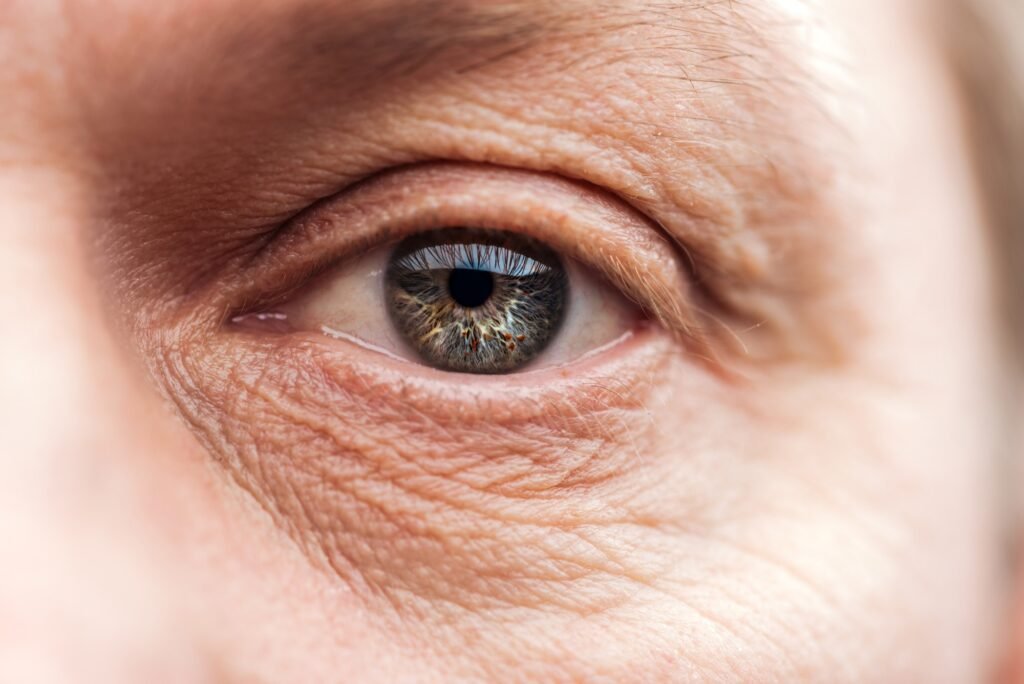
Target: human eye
[(469, 269), (466, 300)]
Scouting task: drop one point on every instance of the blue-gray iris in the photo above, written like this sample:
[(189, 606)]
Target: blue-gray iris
[(476, 301)]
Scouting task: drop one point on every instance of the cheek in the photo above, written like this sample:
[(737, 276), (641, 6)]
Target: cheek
[(409, 491), (755, 515)]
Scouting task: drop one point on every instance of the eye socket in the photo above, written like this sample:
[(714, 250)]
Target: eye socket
[(463, 300)]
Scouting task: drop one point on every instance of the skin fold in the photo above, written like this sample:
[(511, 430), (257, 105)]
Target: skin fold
[(789, 472)]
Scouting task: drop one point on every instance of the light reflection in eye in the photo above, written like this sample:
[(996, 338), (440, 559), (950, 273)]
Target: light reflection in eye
[(476, 301)]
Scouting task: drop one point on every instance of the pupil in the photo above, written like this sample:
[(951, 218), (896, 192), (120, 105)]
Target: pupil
[(470, 288)]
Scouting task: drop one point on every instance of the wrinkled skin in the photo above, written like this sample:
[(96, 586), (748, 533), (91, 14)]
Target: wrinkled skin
[(808, 490)]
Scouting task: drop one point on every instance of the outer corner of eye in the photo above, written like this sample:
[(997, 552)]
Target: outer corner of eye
[(463, 300)]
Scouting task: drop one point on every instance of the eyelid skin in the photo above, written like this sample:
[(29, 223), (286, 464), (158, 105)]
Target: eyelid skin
[(581, 222)]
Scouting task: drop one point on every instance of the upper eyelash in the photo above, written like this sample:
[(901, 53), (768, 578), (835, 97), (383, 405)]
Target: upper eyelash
[(472, 256)]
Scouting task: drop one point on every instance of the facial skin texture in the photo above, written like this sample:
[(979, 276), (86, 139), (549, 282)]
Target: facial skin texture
[(789, 475)]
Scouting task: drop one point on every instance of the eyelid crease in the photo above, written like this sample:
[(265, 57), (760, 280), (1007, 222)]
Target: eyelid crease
[(587, 224)]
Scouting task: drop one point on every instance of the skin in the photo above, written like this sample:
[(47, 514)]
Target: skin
[(790, 474)]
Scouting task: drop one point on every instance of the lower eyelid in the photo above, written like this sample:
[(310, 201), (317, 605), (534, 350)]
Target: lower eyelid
[(334, 425), (636, 360)]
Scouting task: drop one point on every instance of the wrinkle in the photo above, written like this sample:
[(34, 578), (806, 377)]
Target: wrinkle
[(484, 533)]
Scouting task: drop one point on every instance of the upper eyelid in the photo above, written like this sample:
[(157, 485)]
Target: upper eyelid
[(611, 237)]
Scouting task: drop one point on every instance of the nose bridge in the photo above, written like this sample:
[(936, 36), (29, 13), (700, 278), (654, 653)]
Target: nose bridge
[(62, 449), (49, 337)]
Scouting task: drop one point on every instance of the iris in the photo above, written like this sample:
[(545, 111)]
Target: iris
[(476, 301)]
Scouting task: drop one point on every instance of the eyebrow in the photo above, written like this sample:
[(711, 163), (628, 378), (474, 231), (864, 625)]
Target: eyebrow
[(377, 40), (391, 38), (234, 48)]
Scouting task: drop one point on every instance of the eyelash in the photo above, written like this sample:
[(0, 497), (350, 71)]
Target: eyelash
[(464, 255)]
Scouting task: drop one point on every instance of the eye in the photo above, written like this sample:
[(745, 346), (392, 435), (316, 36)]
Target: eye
[(467, 269), (463, 300)]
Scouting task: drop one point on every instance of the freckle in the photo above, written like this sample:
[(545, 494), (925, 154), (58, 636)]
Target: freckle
[(521, 338), (507, 336), (511, 346)]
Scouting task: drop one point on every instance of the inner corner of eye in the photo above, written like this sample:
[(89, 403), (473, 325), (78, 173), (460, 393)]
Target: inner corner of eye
[(462, 300), (261, 321)]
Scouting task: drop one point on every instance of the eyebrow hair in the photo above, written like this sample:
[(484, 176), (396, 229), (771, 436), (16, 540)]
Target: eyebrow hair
[(383, 39), (388, 38), (286, 59), (234, 49)]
